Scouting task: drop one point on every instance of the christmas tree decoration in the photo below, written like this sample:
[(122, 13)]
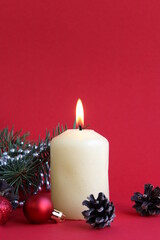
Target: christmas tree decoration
[(38, 209), (5, 210), (7, 191), (101, 211), (148, 203), (24, 164)]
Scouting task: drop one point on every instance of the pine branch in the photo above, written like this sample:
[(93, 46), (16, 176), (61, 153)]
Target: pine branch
[(11, 139), (25, 165)]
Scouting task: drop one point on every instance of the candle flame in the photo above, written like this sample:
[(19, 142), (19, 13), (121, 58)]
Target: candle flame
[(79, 113)]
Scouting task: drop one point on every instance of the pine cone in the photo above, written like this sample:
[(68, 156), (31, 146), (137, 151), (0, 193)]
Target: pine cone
[(101, 211), (8, 192), (148, 203)]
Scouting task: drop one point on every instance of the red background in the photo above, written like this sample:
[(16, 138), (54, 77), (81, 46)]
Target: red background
[(108, 54)]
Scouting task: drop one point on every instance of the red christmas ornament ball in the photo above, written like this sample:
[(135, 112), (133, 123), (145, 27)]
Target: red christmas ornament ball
[(5, 210), (38, 209)]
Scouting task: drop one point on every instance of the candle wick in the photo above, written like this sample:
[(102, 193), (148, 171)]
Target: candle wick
[(80, 127)]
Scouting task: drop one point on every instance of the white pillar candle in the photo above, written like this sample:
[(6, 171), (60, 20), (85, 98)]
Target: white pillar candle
[(79, 167)]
